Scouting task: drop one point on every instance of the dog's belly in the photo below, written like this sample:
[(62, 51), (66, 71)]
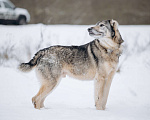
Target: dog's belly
[(81, 75)]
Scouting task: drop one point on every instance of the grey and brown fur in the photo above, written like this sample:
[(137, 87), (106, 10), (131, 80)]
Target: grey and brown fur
[(96, 60)]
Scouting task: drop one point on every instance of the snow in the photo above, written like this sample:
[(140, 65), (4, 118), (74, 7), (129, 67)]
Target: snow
[(129, 97)]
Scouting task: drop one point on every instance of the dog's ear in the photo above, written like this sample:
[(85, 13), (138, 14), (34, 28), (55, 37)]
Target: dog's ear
[(114, 24), (115, 32), (114, 27)]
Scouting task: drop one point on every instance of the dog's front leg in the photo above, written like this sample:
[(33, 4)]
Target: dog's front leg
[(102, 87), (107, 87), (99, 90)]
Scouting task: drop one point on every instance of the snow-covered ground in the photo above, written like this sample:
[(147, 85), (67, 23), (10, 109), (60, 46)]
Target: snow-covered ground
[(129, 97)]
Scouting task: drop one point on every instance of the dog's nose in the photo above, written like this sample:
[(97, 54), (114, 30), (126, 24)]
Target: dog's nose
[(89, 29)]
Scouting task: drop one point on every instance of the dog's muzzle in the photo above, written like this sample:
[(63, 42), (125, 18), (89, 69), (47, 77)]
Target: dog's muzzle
[(90, 30)]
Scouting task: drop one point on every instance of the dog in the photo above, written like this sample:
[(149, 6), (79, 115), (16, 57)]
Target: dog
[(96, 60)]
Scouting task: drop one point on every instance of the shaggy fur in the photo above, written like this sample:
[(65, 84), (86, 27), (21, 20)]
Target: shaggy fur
[(96, 60)]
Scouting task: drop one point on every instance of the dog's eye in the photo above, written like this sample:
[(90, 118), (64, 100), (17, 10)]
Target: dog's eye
[(101, 25)]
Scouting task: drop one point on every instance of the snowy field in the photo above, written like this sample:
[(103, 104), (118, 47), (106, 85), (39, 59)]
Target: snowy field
[(129, 97)]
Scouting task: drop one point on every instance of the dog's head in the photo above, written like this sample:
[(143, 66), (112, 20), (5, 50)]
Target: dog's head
[(107, 29)]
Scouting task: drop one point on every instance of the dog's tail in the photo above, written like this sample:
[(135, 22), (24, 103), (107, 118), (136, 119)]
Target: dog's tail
[(26, 67)]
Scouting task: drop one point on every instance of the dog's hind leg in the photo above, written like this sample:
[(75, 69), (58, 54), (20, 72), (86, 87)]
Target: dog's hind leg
[(49, 81), (45, 89)]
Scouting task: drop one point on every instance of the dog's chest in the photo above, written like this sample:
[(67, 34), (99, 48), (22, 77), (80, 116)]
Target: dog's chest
[(108, 67)]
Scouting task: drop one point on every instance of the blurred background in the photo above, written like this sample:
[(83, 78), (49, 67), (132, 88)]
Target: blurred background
[(83, 12)]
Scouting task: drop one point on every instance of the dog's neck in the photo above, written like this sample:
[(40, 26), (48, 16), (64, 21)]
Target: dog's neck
[(109, 45)]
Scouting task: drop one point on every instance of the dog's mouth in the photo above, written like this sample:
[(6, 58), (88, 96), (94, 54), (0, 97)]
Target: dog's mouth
[(94, 32), (97, 33), (91, 33)]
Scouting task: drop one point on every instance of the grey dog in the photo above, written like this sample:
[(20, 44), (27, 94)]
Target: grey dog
[(96, 61)]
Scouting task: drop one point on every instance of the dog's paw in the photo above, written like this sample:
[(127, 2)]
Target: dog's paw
[(42, 105), (36, 103), (100, 107)]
